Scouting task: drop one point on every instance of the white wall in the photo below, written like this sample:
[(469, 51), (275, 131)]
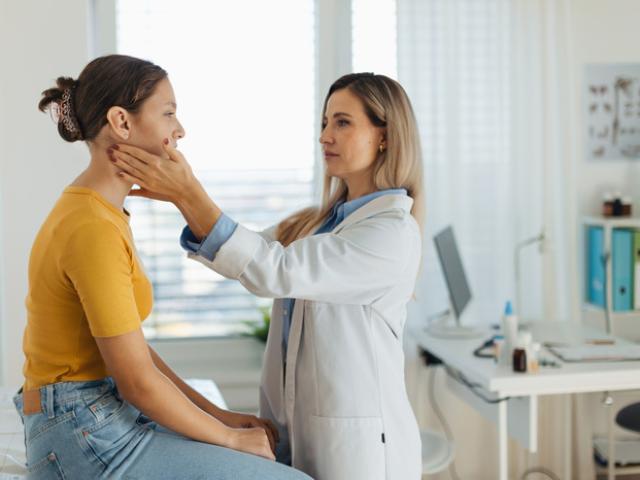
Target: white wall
[(603, 32), (41, 40)]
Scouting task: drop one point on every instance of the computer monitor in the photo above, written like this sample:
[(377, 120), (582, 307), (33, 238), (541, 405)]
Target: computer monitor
[(451, 263)]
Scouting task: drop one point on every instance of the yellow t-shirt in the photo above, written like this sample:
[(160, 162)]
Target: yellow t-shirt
[(85, 281)]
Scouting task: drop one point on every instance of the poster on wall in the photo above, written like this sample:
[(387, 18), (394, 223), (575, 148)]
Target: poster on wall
[(612, 111)]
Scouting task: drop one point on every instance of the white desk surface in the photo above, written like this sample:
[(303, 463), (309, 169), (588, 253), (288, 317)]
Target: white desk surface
[(568, 378)]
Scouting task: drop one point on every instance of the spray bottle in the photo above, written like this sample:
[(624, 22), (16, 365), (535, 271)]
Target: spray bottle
[(510, 331)]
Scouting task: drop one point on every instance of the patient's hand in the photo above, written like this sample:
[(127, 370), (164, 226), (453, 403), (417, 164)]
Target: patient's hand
[(240, 420), (251, 440)]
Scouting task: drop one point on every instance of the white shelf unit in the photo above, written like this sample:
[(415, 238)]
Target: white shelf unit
[(618, 320)]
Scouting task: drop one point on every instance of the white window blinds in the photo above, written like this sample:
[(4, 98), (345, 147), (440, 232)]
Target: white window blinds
[(244, 77)]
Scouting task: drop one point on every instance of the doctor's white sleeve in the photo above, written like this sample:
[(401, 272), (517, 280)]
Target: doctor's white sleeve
[(356, 266)]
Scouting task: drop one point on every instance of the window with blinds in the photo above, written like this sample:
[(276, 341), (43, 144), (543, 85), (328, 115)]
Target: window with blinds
[(244, 78)]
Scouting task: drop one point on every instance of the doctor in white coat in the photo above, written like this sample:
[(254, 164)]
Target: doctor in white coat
[(342, 275)]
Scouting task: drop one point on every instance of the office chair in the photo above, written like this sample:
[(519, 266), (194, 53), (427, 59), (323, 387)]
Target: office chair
[(629, 417), (437, 451)]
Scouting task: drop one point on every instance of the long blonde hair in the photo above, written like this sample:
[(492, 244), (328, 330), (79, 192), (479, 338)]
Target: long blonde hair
[(398, 166)]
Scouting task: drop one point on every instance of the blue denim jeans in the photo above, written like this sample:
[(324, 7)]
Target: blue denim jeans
[(87, 431)]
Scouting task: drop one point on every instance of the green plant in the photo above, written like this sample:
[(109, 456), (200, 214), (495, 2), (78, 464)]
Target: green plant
[(260, 329)]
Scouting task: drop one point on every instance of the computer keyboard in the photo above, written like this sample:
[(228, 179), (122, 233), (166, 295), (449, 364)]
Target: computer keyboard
[(596, 353)]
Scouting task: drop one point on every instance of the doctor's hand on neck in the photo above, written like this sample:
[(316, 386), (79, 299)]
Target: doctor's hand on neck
[(168, 179)]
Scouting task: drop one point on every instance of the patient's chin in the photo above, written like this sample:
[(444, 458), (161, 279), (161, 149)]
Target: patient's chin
[(158, 151)]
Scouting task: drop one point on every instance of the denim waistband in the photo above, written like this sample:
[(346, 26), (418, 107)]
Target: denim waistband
[(66, 392)]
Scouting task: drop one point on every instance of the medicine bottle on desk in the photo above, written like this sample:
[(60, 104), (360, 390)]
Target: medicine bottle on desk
[(510, 332), (522, 354), (519, 360), (534, 357)]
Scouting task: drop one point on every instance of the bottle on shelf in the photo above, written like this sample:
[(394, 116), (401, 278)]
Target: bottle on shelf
[(607, 204), (617, 204), (626, 206)]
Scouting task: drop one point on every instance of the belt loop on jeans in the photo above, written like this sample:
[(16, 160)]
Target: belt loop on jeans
[(50, 410)]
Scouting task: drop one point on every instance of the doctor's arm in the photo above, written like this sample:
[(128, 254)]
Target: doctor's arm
[(356, 266)]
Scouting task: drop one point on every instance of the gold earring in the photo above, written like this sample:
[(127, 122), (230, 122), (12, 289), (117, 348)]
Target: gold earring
[(381, 148)]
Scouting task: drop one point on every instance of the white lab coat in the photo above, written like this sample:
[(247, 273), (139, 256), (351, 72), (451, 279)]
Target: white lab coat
[(341, 402)]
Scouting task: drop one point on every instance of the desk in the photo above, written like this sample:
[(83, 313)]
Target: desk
[(524, 389)]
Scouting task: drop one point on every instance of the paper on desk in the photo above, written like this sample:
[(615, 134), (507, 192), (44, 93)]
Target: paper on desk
[(596, 353)]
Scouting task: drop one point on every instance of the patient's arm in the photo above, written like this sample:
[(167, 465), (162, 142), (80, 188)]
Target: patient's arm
[(185, 388), (141, 383), (232, 419)]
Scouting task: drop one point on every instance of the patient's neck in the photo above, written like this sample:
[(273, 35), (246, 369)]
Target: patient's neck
[(102, 176)]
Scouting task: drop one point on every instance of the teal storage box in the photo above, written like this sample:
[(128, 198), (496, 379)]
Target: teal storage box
[(595, 266), (622, 262)]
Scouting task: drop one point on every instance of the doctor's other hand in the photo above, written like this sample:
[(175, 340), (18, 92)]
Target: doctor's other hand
[(250, 440), (159, 178)]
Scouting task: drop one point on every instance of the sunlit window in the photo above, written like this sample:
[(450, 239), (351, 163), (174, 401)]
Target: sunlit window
[(244, 77), (374, 36)]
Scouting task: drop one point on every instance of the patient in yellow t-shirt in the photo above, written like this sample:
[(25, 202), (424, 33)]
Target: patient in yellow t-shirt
[(86, 281), (97, 400)]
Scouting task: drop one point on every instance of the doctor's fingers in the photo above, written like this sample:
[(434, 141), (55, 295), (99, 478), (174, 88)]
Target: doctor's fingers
[(133, 180), (174, 154), (126, 164), (138, 154)]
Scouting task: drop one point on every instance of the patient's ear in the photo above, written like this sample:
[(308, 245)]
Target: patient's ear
[(119, 121)]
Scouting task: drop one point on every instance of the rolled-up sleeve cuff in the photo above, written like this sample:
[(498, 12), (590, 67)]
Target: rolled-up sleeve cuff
[(209, 246)]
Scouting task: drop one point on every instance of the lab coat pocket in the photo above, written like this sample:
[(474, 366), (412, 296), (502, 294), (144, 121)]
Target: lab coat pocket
[(346, 448)]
